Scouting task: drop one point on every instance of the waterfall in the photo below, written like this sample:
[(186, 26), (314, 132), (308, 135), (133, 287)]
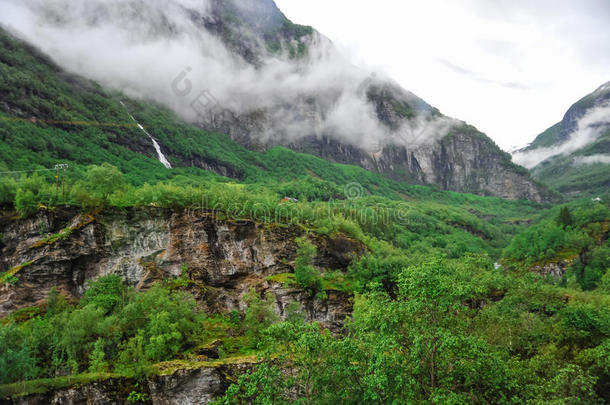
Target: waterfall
[(160, 154)]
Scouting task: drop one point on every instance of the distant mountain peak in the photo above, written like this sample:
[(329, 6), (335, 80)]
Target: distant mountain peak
[(574, 155), (603, 88)]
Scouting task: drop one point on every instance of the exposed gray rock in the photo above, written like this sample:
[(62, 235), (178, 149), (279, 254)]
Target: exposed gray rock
[(554, 269), (182, 387), (187, 387), (224, 259)]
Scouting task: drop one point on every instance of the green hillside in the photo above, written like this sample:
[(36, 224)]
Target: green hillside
[(570, 173), (446, 307)]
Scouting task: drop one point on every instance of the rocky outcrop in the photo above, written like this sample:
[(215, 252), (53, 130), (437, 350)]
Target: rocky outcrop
[(187, 385), (553, 269), (224, 259), (110, 391)]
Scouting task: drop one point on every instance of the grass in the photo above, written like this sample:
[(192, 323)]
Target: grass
[(44, 385), (170, 367), (337, 281), (283, 278), (331, 281), (8, 276)]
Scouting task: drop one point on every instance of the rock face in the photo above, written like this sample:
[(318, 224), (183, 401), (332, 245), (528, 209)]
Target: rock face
[(65, 249), (104, 392), (553, 269), (186, 386)]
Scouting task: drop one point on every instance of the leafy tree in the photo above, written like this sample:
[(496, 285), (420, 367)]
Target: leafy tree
[(104, 180), (8, 190), (421, 339), (108, 292), (132, 359), (260, 313), (265, 386), (16, 360), (97, 359), (305, 273), (565, 218), (572, 385), (32, 191)]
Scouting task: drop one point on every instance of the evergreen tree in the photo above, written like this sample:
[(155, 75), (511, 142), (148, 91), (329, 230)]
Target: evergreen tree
[(565, 218)]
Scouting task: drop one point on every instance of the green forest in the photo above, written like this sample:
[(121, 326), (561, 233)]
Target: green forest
[(446, 309)]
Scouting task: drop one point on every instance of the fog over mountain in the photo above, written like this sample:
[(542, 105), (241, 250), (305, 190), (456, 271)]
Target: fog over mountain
[(590, 127), (161, 50), (573, 156)]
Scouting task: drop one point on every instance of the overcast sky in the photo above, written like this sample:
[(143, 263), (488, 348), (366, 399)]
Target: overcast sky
[(510, 67)]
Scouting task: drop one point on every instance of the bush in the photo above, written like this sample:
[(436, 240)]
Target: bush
[(8, 190), (16, 360), (108, 292), (305, 274), (103, 181), (260, 313), (32, 192)]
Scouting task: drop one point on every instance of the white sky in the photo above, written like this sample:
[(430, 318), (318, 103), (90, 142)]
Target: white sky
[(510, 67)]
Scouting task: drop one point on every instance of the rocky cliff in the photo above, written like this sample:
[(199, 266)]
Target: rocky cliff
[(223, 259), (189, 385)]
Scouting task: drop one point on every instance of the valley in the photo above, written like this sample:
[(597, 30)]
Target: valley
[(318, 235)]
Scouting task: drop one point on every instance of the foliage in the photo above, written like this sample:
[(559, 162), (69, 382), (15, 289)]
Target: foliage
[(305, 274), (433, 320), (102, 181), (108, 293), (565, 218), (259, 314), (111, 329)]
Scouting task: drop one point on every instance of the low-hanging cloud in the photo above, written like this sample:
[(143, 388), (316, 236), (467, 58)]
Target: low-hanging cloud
[(591, 160), (148, 49), (591, 126)]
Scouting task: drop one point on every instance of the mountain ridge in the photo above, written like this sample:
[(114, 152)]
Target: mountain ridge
[(573, 156), (369, 122)]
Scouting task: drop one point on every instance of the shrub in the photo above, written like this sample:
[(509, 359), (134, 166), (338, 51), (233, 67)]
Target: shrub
[(108, 292), (305, 274)]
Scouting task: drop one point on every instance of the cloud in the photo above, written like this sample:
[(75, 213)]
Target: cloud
[(592, 159), (477, 77), (594, 123), (159, 50), (547, 53)]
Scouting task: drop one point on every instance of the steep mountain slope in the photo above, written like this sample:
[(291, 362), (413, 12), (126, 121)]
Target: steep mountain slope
[(573, 156), (267, 82)]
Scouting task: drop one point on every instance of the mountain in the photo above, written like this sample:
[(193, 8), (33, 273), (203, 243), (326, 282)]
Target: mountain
[(244, 70), (573, 156), (176, 225)]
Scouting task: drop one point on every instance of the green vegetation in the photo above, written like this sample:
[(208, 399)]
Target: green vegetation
[(566, 175), (548, 138), (434, 320), (577, 234), (306, 276), (112, 328), (430, 325), (456, 331)]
